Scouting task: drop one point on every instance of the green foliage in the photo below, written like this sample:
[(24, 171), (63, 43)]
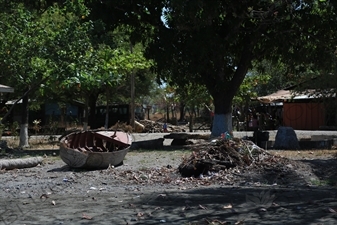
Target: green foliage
[(249, 88), (23, 51), (83, 48), (14, 128), (60, 54), (268, 77), (193, 95)]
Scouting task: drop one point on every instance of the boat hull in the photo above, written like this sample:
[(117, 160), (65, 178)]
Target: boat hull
[(95, 150)]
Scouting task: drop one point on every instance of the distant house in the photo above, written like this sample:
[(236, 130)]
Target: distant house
[(70, 113), (51, 112), (303, 111), (117, 113), (4, 88)]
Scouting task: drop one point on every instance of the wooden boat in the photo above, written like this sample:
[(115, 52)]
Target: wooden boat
[(95, 149)]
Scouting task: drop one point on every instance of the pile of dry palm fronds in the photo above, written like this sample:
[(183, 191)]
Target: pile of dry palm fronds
[(221, 154)]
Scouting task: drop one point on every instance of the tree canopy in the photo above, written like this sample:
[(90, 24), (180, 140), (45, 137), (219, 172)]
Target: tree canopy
[(215, 43), (56, 54)]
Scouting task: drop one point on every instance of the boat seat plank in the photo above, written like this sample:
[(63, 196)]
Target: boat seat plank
[(76, 140), (82, 139), (111, 146), (110, 139), (81, 149), (98, 149), (88, 149), (90, 139), (99, 144)]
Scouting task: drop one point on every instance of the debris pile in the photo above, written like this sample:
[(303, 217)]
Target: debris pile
[(157, 127), (147, 126), (122, 126), (222, 154)]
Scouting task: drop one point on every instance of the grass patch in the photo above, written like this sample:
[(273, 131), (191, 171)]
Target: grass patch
[(307, 154), (328, 182), (162, 153), (153, 158), (35, 143)]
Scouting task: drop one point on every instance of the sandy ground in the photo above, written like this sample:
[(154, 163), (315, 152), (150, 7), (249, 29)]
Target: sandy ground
[(148, 190)]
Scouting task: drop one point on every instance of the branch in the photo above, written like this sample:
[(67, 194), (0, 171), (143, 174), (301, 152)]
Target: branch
[(243, 66), (36, 86)]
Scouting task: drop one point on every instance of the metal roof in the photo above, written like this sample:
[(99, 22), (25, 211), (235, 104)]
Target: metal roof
[(4, 88), (282, 95)]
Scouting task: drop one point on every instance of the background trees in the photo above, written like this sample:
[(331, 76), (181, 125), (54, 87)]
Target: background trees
[(206, 44), (56, 54), (218, 43), (24, 50)]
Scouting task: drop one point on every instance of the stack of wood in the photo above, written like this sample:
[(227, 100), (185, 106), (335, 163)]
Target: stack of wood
[(221, 154)]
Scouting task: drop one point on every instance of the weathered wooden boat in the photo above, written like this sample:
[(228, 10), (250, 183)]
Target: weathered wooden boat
[(95, 149)]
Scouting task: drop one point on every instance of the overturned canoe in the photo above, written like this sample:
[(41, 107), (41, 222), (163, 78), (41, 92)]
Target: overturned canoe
[(95, 149)]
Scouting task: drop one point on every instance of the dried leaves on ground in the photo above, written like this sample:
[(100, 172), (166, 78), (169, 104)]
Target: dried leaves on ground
[(228, 162)]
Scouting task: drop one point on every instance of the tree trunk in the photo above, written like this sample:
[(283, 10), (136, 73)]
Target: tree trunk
[(224, 90), (191, 123), (24, 123), (92, 99), (132, 103), (182, 111), (106, 123), (132, 94), (62, 116), (86, 115), (222, 121), (167, 113), (194, 112), (36, 86)]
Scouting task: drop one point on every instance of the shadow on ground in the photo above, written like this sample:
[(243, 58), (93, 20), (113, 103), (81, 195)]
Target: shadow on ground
[(202, 205), (324, 169), (273, 205)]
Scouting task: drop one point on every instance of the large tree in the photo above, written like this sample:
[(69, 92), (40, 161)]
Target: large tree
[(217, 41), (214, 43), (38, 47), (50, 50), (23, 60)]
